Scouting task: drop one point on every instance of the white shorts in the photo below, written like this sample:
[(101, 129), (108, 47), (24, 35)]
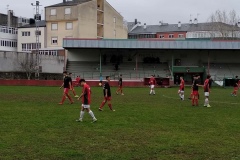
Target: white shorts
[(180, 91), (85, 106), (206, 94), (152, 86)]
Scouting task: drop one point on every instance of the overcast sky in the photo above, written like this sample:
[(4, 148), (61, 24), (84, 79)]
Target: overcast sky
[(146, 11)]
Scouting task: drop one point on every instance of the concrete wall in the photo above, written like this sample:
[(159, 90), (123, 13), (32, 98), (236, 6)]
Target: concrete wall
[(109, 26), (31, 38), (83, 55), (9, 62), (87, 20)]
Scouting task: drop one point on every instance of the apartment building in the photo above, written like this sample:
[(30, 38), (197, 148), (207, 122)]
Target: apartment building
[(83, 19), (27, 37)]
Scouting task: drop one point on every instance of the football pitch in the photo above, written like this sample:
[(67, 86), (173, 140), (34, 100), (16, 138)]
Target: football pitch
[(34, 126)]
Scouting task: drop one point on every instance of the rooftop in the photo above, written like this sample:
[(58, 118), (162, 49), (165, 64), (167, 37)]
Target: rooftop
[(73, 43), (40, 24), (185, 27), (69, 3)]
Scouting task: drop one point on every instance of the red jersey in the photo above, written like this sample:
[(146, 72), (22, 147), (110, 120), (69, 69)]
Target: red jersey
[(86, 98), (77, 79), (182, 85), (206, 85), (152, 81)]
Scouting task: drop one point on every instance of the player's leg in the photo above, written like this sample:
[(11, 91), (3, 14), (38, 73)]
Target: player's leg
[(182, 95), (68, 96), (63, 98), (118, 90), (196, 98), (110, 104), (121, 90), (153, 90), (81, 114), (90, 112), (102, 104)]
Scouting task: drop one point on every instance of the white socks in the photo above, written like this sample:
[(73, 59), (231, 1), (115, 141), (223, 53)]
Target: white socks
[(81, 114), (206, 101), (152, 91), (91, 114)]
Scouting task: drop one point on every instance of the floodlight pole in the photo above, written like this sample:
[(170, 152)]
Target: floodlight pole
[(37, 19)]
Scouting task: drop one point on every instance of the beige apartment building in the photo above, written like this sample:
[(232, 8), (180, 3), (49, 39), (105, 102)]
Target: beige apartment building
[(83, 19)]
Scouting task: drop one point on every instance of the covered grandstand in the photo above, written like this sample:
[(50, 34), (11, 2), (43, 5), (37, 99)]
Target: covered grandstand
[(138, 59)]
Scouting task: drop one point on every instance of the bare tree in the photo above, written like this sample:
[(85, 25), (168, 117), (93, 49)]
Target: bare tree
[(27, 63), (224, 25)]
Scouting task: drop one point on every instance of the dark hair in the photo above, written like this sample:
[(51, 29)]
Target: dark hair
[(82, 80), (107, 77), (208, 76), (120, 75), (70, 73), (65, 72), (196, 75), (236, 76)]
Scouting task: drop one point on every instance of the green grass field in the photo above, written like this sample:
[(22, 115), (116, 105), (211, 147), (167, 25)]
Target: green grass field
[(144, 127)]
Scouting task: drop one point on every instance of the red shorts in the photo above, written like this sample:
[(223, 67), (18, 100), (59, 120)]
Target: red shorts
[(235, 88), (66, 90), (107, 98), (195, 93)]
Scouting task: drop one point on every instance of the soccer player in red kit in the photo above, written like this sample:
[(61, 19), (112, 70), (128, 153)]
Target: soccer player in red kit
[(107, 95), (78, 81), (72, 88), (181, 89), (207, 91), (152, 83), (120, 83), (86, 100), (195, 96), (67, 85), (236, 86)]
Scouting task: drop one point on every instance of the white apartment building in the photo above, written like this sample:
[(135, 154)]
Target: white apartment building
[(27, 37), (8, 38)]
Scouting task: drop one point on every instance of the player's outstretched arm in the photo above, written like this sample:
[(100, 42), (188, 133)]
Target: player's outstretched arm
[(61, 86)]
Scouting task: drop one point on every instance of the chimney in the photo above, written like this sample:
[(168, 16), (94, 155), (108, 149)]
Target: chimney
[(179, 24), (195, 21), (160, 23), (190, 22), (136, 22), (238, 24), (10, 18), (145, 26), (139, 24)]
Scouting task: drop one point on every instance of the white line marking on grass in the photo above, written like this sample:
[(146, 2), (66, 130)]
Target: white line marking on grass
[(210, 101)]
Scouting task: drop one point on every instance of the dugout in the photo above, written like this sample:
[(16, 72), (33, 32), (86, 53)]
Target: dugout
[(140, 59)]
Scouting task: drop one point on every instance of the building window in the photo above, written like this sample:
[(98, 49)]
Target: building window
[(38, 33), (170, 36), (161, 36), (180, 36), (30, 46), (114, 20), (67, 10), (54, 40), (54, 26), (25, 33), (69, 25), (53, 12)]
